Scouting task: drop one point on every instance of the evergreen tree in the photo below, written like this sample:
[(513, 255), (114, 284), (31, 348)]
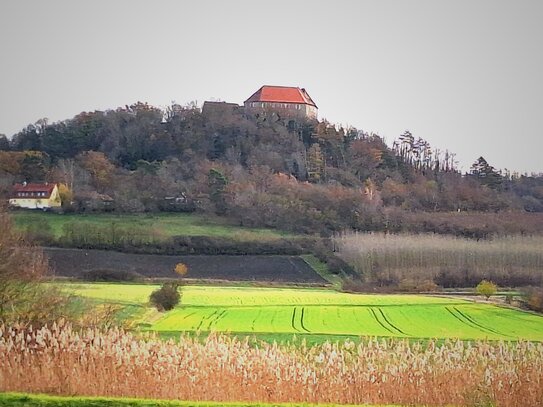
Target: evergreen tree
[(486, 173)]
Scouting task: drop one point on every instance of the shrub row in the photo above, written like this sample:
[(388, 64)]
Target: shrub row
[(183, 245)]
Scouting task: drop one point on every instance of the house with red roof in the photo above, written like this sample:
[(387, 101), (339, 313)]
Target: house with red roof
[(35, 196), (283, 100)]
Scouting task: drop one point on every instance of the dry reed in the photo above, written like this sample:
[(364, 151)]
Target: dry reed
[(59, 360), (510, 261)]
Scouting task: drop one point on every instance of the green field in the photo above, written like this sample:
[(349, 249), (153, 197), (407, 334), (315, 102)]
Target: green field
[(169, 224), (32, 400), (278, 312)]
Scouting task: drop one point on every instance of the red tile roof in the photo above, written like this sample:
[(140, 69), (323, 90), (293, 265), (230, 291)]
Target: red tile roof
[(281, 94), (33, 188)]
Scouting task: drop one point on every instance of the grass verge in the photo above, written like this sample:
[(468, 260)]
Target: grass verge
[(40, 400), (322, 269)]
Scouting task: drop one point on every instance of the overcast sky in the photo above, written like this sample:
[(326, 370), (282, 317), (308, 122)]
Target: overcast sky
[(466, 75)]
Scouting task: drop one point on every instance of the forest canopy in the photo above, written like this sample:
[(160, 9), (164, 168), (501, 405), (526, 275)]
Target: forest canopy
[(308, 176)]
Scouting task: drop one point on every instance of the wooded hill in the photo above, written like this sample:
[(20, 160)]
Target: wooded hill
[(301, 176)]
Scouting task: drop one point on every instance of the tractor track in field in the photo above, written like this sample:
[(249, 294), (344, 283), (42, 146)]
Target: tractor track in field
[(216, 320), (293, 318), (205, 319), (255, 319), (272, 321), (372, 311), (464, 319), (302, 321), (478, 324), (391, 324)]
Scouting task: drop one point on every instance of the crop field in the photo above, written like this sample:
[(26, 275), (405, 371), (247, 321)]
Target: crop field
[(84, 263), (263, 311), (165, 224)]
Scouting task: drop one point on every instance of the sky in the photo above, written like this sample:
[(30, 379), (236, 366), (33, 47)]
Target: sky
[(465, 75)]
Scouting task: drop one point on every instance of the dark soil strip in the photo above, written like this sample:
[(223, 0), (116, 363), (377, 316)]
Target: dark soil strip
[(80, 263), (391, 324), (302, 321), (379, 321)]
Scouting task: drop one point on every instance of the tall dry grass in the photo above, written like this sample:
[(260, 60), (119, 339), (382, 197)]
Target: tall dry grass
[(59, 360), (449, 261)]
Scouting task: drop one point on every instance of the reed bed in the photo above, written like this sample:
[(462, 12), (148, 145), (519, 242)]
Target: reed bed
[(59, 360), (449, 261)]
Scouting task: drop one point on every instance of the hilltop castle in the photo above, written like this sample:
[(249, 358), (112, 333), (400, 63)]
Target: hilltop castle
[(285, 101)]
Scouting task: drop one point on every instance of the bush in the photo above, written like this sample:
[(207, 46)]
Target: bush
[(166, 297), (417, 286), (534, 298), (39, 231), (486, 288), (351, 285), (22, 268), (107, 275), (74, 237)]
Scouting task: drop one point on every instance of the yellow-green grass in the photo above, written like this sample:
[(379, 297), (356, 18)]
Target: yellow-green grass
[(40, 400), (322, 269), (286, 311), (168, 224)]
